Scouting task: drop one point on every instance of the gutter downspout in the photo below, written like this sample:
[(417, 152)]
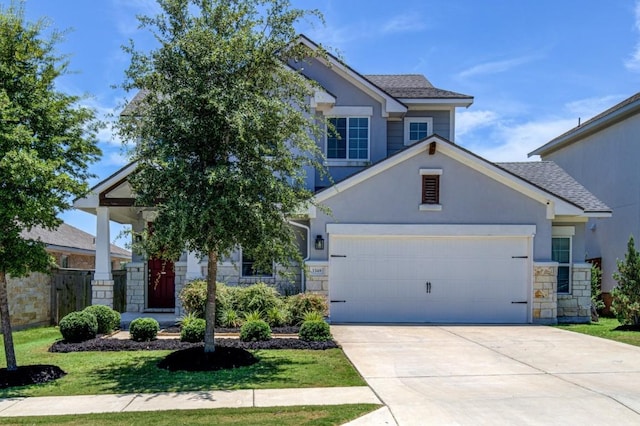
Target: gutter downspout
[(303, 283)]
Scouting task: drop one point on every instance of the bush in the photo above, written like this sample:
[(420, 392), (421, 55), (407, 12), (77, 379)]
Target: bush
[(626, 296), (108, 319), (258, 297), (278, 317), (79, 326), (230, 318), (144, 329), (302, 303), (193, 330), (255, 331), (314, 331), (194, 298)]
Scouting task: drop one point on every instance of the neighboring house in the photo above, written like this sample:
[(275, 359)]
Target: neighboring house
[(421, 229), (75, 249), (602, 154)]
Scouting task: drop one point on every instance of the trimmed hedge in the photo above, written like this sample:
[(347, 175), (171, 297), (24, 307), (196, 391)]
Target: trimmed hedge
[(255, 331), (108, 319), (314, 331), (193, 330), (79, 326), (144, 329)]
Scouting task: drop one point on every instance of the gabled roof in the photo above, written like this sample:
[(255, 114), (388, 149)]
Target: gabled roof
[(412, 86), (572, 201), (70, 238), (551, 177), (613, 115)]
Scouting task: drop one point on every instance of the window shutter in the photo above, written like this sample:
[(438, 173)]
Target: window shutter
[(430, 189)]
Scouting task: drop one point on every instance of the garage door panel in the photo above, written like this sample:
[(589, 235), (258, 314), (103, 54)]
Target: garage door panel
[(384, 279)]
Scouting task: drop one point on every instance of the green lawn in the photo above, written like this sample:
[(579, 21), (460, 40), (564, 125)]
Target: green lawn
[(605, 328), (307, 415), (136, 371)]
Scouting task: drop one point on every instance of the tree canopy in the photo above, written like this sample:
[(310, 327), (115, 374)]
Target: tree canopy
[(47, 141), (222, 130)]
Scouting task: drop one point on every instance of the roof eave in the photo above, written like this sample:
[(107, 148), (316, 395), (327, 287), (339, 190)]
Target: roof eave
[(586, 129), (456, 102)]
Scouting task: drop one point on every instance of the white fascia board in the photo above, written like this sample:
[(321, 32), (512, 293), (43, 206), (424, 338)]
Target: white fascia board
[(113, 179), (447, 102), (349, 111), (89, 202), (321, 97), (373, 170), (560, 206), (356, 229)]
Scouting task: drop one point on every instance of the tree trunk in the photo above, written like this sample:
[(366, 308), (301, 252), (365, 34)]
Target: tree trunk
[(9, 351), (210, 310)]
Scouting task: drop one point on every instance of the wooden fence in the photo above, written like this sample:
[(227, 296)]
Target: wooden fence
[(71, 291)]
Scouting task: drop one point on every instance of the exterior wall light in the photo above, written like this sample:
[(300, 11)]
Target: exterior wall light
[(319, 243)]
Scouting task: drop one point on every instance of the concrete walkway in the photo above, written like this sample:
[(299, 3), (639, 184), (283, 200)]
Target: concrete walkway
[(85, 404), (496, 375)]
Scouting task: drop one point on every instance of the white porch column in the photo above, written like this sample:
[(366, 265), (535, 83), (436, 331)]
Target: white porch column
[(102, 284), (103, 245), (193, 266)]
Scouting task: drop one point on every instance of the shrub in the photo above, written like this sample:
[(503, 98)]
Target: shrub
[(230, 318), (194, 297), (144, 329), (314, 331), (312, 316), (278, 317), (253, 316), (596, 288), (255, 331), (108, 319), (302, 303), (626, 296), (193, 330), (258, 297), (79, 326)]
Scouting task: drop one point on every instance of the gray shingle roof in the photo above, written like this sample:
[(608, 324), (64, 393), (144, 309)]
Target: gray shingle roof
[(73, 238), (552, 178), (413, 86)]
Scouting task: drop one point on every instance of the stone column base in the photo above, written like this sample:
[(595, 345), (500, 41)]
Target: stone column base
[(102, 292)]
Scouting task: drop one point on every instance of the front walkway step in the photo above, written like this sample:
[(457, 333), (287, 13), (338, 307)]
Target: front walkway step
[(164, 319)]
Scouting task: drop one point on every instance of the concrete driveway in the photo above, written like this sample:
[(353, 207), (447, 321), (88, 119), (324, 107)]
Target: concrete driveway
[(474, 375)]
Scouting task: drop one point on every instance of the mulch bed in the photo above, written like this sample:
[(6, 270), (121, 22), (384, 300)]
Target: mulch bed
[(29, 375), (628, 328), (101, 344), (195, 359)]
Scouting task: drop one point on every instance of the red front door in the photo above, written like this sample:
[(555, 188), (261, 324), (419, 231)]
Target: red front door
[(161, 284)]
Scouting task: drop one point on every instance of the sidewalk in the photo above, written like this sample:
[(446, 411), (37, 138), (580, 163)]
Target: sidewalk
[(84, 404)]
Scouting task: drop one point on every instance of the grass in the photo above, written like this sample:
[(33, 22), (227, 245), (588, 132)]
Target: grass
[(605, 328), (306, 415), (136, 371)]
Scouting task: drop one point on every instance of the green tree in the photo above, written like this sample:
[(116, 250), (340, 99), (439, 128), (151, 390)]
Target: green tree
[(222, 132), (46, 142), (626, 295)]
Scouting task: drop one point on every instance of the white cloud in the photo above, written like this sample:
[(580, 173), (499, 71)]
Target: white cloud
[(495, 66), (125, 12), (633, 63), (469, 121), (404, 24), (587, 108), (116, 159)]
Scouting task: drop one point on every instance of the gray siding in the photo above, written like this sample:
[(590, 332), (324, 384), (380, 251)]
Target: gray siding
[(467, 197), (606, 163), (395, 129)]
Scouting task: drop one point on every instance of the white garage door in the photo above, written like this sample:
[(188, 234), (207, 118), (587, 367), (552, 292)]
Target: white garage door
[(480, 279)]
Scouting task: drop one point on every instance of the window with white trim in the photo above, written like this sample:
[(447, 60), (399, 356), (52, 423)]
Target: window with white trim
[(430, 193), (417, 128), (561, 252), (350, 140)]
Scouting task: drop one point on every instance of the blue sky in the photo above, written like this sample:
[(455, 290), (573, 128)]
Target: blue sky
[(534, 67)]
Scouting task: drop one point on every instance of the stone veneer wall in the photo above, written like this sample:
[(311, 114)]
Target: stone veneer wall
[(544, 293), (102, 292), (180, 269), (318, 277), (576, 306), (135, 286), (29, 300)]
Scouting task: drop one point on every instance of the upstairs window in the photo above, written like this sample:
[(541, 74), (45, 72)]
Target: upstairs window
[(417, 128), (350, 141)]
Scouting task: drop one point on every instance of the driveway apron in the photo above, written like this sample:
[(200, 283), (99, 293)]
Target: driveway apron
[(476, 375)]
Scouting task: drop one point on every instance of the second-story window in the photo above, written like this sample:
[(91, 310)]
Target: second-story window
[(417, 128), (350, 141)]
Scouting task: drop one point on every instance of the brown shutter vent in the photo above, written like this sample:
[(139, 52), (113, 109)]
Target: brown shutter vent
[(431, 189)]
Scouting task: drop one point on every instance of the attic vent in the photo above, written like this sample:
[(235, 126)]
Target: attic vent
[(431, 189)]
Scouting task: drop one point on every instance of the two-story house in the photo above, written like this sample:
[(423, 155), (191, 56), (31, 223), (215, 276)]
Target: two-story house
[(602, 154), (420, 230)]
